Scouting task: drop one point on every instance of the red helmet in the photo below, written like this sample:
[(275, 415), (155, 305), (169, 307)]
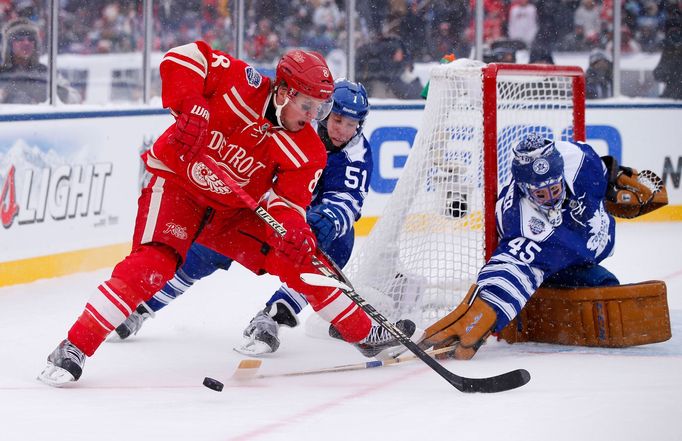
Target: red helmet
[(306, 72)]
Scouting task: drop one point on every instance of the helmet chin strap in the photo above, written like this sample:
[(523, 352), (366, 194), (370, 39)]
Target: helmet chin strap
[(278, 107), (278, 111)]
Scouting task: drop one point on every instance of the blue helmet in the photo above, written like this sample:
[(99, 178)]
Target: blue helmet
[(538, 169), (350, 100)]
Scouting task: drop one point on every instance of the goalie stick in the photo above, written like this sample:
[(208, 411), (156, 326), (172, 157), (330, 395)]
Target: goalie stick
[(247, 369), (334, 277)]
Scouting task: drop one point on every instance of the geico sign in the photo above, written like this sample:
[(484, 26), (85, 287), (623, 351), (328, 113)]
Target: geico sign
[(391, 146)]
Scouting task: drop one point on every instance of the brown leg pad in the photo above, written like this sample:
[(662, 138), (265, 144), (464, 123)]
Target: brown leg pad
[(610, 316)]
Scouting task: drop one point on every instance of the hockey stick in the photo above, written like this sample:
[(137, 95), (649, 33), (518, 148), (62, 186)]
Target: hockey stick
[(498, 383), (247, 369)]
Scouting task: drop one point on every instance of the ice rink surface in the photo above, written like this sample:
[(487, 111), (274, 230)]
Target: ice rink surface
[(149, 388)]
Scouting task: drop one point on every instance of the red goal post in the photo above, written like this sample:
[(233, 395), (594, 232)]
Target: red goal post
[(491, 72)]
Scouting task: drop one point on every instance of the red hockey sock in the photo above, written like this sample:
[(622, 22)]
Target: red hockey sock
[(355, 326), (107, 307), (86, 334)]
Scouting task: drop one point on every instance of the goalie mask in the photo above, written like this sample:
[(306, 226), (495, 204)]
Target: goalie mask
[(538, 170)]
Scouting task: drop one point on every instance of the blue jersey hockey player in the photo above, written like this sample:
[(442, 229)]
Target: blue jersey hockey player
[(554, 229), (336, 205)]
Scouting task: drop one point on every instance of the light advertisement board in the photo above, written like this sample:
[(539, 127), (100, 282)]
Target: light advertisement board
[(70, 183)]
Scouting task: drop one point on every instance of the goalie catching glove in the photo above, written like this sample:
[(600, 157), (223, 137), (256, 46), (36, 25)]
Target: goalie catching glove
[(467, 326), (630, 193)]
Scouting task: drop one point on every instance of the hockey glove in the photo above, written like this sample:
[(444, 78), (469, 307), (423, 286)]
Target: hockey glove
[(296, 246), (325, 224), (630, 193), (191, 127)]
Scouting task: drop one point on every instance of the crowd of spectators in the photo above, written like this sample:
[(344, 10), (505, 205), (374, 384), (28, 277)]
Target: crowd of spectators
[(390, 34)]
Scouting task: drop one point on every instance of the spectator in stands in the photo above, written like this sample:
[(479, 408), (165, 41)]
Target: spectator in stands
[(599, 76), (555, 21), (327, 15), (669, 68), (576, 41), (628, 45), (23, 79), (494, 18), (540, 54), (523, 22), (445, 40), (385, 68), (412, 29), (587, 17), (648, 25)]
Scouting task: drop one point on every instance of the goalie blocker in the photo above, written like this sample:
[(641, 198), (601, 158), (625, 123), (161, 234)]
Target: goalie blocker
[(610, 316)]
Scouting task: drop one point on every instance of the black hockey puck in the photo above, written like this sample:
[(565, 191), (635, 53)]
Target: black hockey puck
[(213, 384)]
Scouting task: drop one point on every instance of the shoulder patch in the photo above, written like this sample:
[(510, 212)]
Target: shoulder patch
[(253, 77), (536, 225)]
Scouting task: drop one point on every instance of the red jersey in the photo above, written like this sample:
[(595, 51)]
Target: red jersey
[(287, 163)]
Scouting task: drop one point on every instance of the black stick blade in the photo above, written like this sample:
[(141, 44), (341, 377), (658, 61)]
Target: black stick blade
[(499, 383)]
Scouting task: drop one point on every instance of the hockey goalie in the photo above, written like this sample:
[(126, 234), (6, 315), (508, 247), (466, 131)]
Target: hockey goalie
[(544, 281)]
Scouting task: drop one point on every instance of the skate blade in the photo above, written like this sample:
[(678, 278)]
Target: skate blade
[(396, 351), (55, 376), (115, 338), (253, 348)]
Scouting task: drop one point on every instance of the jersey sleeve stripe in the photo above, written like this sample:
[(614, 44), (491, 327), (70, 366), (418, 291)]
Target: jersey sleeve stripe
[(504, 307), (536, 273), (514, 271), (295, 146), (187, 65), (234, 108), (155, 163), (286, 150), (505, 285), (346, 197), (189, 56), (241, 101), (274, 200)]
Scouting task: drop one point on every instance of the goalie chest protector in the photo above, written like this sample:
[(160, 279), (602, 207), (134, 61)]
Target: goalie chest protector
[(609, 316)]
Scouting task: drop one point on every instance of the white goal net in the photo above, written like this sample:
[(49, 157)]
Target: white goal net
[(438, 226)]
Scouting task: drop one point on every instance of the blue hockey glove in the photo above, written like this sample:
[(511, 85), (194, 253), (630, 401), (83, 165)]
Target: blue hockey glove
[(325, 224)]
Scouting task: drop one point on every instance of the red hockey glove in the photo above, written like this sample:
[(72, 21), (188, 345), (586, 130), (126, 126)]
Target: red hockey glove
[(190, 127), (296, 247)]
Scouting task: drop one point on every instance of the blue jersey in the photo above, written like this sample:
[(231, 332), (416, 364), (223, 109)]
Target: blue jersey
[(345, 182), (531, 250)]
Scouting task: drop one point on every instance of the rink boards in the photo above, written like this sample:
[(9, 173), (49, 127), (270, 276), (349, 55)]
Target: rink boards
[(70, 180)]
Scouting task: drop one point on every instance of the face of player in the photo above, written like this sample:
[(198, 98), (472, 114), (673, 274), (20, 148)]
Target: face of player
[(299, 110), (550, 195), (341, 128)]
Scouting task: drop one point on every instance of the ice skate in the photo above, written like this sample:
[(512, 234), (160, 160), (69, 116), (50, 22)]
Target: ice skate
[(261, 335), (64, 365), (380, 343), (133, 323)]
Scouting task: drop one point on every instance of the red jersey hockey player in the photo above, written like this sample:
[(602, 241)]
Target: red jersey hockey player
[(258, 132)]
